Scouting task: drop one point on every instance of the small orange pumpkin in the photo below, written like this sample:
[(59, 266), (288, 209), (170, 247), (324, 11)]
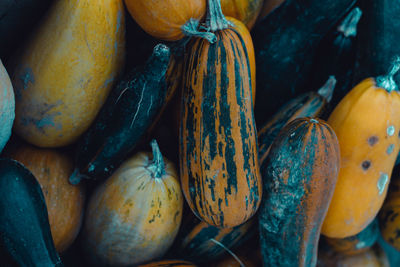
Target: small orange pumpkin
[(135, 215), (367, 123), (64, 201), (168, 20), (244, 10)]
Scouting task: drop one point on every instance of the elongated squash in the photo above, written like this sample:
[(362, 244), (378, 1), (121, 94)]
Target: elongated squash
[(25, 238), (299, 178), (244, 10), (67, 69), (310, 104), (367, 123), (7, 107), (128, 112), (168, 20), (135, 215), (64, 201), (218, 139)]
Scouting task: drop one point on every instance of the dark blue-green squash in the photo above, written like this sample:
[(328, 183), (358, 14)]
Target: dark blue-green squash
[(285, 43), (25, 238)]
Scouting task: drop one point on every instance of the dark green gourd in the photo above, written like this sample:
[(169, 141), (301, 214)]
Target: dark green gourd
[(25, 238), (285, 43), (127, 114), (299, 178)]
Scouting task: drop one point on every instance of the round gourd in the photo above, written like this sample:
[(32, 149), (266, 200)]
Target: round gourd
[(135, 215), (367, 123), (244, 10), (7, 107), (67, 69), (64, 201), (167, 19)]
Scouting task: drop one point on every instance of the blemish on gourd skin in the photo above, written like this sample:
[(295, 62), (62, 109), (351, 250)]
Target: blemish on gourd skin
[(390, 149), (373, 140), (391, 130), (27, 77), (383, 179), (366, 164)]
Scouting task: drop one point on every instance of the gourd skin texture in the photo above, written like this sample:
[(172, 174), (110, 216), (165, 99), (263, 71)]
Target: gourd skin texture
[(299, 178), (25, 229), (367, 123), (244, 10), (7, 107), (64, 201), (218, 139), (164, 19), (389, 219), (67, 69), (133, 217)]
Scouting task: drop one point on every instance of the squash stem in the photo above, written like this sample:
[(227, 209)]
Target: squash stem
[(190, 29), (158, 160), (326, 91), (216, 20), (349, 25), (386, 81)]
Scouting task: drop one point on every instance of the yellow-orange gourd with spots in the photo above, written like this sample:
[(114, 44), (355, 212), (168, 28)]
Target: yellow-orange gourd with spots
[(367, 124), (67, 69), (135, 215)]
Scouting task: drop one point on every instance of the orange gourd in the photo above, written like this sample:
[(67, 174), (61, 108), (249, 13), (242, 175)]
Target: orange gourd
[(168, 20), (135, 215), (367, 123), (64, 201), (244, 10)]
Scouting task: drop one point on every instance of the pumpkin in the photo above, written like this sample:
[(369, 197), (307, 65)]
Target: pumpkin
[(355, 244), (200, 242), (129, 111), (66, 70), (285, 44), (168, 263), (244, 10), (310, 104), (299, 177), (218, 146), (168, 20), (64, 201), (367, 123), (25, 238), (7, 107), (389, 219), (134, 216), (268, 7)]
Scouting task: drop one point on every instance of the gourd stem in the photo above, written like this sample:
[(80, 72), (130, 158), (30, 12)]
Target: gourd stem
[(190, 29), (215, 18), (349, 25), (158, 160), (75, 177), (326, 91), (386, 81)]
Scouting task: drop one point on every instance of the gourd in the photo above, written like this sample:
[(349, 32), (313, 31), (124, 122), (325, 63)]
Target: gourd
[(299, 178), (389, 214), (25, 238), (291, 34), (244, 10), (7, 107), (309, 104), (168, 263), (64, 201), (134, 216), (367, 123), (127, 114), (218, 147), (168, 20), (66, 70)]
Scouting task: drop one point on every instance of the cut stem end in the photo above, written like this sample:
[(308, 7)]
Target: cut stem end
[(386, 81)]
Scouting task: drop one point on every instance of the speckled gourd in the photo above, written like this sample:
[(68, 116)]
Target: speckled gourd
[(65, 71)]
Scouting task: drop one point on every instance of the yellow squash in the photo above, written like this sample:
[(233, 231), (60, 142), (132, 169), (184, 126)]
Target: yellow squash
[(67, 69)]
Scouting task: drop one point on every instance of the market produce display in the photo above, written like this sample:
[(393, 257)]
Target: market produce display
[(277, 125)]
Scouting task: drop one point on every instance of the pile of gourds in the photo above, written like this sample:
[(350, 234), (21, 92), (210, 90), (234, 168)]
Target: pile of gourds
[(86, 86)]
